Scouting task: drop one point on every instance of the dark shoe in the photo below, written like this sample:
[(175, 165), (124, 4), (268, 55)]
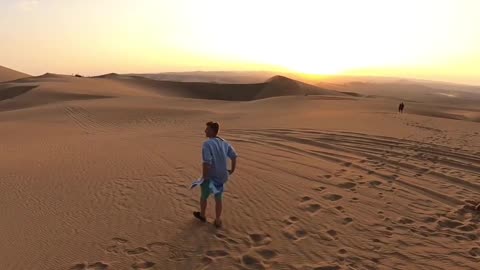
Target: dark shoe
[(217, 223), (197, 215)]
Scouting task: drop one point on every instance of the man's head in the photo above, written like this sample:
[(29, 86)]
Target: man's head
[(212, 129)]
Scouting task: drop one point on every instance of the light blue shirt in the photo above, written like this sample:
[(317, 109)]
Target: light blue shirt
[(215, 152)]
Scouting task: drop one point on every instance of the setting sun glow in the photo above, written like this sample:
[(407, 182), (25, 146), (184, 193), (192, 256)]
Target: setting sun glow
[(433, 39)]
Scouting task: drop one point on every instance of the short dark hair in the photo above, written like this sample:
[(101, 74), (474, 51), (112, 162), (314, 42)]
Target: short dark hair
[(214, 126)]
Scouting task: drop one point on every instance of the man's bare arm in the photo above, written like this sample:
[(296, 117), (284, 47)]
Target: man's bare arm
[(234, 165)]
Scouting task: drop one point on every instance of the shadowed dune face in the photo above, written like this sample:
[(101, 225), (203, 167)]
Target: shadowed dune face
[(227, 77), (10, 91)]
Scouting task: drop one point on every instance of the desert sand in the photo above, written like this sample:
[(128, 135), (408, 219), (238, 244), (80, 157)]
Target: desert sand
[(7, 74), (95, 174)]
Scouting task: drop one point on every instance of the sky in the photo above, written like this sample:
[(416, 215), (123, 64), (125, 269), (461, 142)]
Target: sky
[(425, 39)]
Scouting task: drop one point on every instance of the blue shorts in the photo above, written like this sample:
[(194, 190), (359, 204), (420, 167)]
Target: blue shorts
[(206, 191)]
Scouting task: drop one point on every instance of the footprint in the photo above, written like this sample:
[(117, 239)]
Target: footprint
[(467, 228), (312, 208), (113, 249), (267, 254), (327, 267), (447, 223), (224, 238), (217, 253), (339, 172), (136, 251), (332, 197), (375, 183), (252, 262), (294, 233), (475, 252), (78, 266), (321, 188), (472, 236), (97, 266), (342, 251), (143, 265), (260, 239), (294, 219), (120, 240), (290, 220), (406, 221), (153, 245), (347, 185), (347, 220), (332, 233), (305, 199)]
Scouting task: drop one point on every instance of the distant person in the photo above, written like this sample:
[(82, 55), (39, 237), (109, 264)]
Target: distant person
[(401, 107), (215, 152)]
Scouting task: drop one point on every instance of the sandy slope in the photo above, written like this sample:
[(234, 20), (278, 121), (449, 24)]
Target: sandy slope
[(95, 175), (273, 87), (7, 74)]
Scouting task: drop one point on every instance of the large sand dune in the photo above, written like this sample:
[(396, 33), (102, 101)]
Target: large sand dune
[(273, 87), (7, 74), (95, 175)]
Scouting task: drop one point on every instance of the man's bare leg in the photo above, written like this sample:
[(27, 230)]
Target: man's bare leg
[(203, 207), (218, 211)]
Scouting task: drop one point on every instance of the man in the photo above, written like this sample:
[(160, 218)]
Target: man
[(215, 152), (401, 107)]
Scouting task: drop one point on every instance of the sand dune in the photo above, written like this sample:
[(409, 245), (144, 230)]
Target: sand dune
[(95, 175), (230, 77), (7, 74), (53, 88), (273, 87)]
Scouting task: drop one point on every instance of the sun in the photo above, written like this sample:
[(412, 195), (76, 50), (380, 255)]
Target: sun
[(310, 62), (315, 68)]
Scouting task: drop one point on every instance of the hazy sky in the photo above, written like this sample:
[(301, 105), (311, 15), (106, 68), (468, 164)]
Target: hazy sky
[(431, 39)]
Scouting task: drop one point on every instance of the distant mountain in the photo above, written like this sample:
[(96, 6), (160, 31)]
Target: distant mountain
[(7, 74), (348, 81), (414, 92), (333, 82)]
